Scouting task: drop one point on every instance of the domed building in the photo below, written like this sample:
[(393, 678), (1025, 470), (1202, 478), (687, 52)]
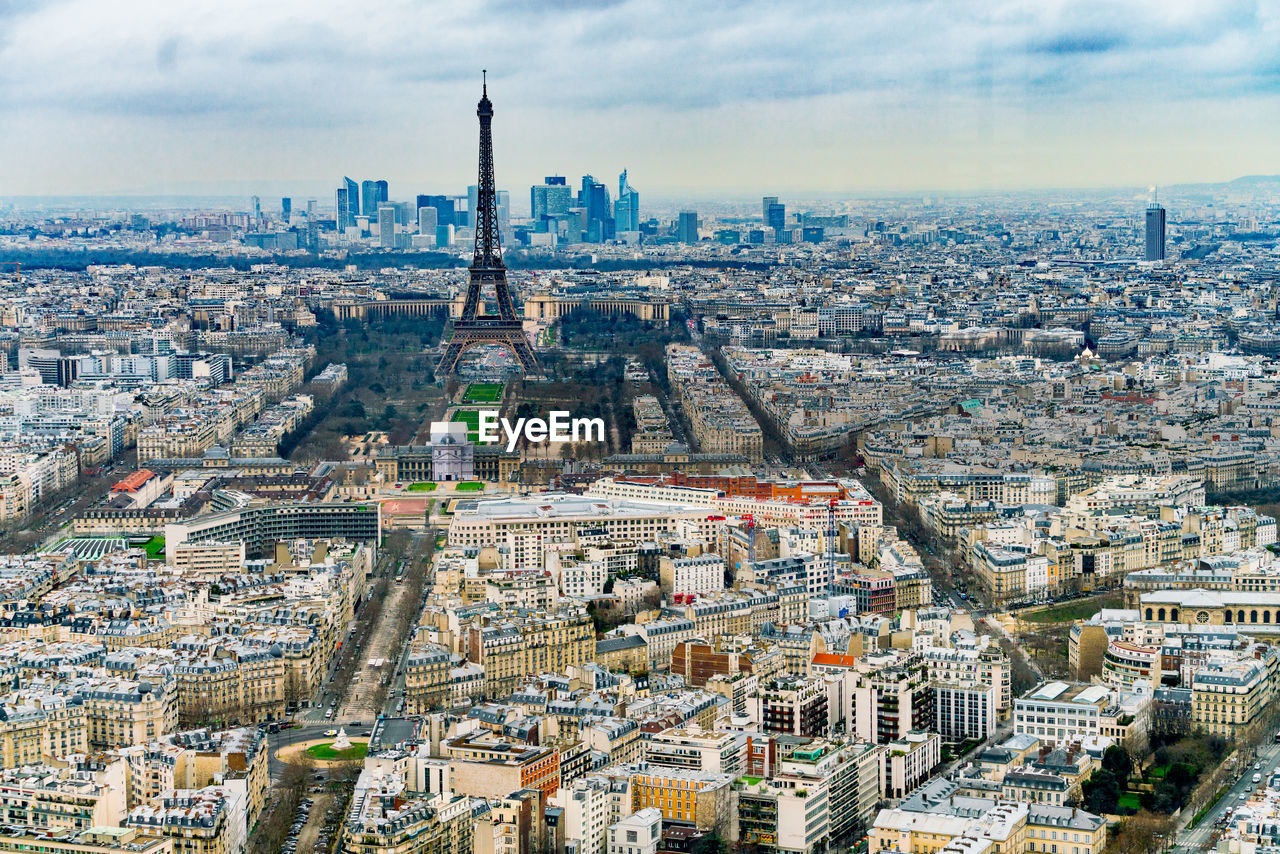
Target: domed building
[(452, 456)]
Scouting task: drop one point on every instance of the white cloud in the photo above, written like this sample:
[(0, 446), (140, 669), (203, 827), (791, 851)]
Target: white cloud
[(711, 95)]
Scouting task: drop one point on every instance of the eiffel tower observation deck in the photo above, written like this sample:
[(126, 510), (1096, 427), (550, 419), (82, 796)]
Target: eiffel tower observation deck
[(473, 329)]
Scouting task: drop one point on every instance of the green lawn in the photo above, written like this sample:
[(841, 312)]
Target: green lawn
[(325, 751), (155, 547), (1130, 801), (470, 486), (470, 417), (1080, 609), (420, 487), (482, 393)]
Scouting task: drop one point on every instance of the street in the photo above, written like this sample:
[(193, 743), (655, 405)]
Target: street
[(1198, 838), (352, 702)]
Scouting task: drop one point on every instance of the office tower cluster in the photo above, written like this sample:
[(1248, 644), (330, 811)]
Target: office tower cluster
[(559, 215), (367, 212)]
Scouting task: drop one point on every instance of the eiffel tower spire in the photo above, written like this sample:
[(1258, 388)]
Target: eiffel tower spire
[(473, 329), (488, 244)]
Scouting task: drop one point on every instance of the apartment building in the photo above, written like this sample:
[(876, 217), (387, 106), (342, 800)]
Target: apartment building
[(695, 748), (198, 821), (701, 575), (1229, 697), (487, 766), (937, 818)]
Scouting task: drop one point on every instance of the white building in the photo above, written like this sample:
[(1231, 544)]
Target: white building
[(908, 762), (965, 710), (582, 579), (700, 575), (639, 833), (586, 808)]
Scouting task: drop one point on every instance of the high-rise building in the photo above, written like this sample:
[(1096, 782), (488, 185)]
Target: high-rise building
[(341, 206), (444, 208), (286, 208), (473, 202), (312, 204), (549, 200), (428, 220), (255, 205), (387, 226), (687, 227), (626, 212), (775, 216), (764, 207), (504, 210), (595, 198), (373, 193), (1155, 232), (348, 204)]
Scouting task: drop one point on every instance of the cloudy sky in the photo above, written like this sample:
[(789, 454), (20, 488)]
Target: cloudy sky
[(699, 96)]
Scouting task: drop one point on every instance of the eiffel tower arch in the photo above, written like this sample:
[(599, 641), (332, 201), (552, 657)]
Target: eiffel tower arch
[(473, 329)]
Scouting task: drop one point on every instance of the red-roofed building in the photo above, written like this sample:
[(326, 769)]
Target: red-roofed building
[(833, 662), (133, 481), (142, 487)]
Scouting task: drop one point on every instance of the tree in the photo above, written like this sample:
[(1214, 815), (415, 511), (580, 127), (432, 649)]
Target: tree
[(1116, 760), (1141, 833), (1101, 792), (709, 843)]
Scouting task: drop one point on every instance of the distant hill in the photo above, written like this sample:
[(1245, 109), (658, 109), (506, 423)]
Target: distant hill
[(1244, 182)]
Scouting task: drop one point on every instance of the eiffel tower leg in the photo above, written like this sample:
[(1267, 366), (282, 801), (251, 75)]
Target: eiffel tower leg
[(524, 355), (452, 354)]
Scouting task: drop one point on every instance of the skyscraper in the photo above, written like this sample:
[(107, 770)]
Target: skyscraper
[(1155, 232), (626, 212), (764, 207), (473, 201), (504, 210), (444, 208), (340, 205), (387, 226), (348, 204), (428, 219), (549, 200), (594, 197), (286, 208), (373, 193), (775, 216), (256, 204), (687, 227)]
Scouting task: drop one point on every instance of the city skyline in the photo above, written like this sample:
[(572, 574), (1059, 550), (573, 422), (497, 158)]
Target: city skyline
[(698, 101)]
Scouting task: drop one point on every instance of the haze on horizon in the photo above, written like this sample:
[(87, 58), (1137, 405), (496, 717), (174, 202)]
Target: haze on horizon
[(740, 98)]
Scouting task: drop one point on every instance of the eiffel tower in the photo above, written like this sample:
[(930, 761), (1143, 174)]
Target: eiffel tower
[(473, 329)]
